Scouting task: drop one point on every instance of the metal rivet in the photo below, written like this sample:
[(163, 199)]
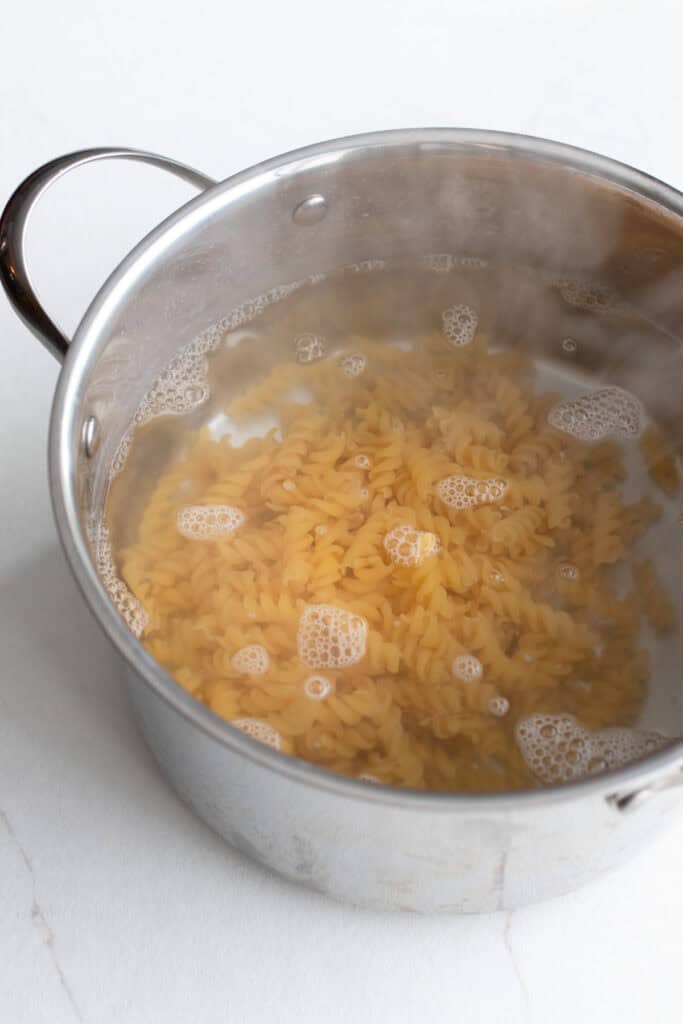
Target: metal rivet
[(310, 210), (90, 436), (569, 345)]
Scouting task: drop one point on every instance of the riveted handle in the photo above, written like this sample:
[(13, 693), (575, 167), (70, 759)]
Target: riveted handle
[(13, 273), (629, 801)]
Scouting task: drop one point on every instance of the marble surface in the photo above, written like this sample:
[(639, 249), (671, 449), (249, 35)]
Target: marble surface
[(116, 905)]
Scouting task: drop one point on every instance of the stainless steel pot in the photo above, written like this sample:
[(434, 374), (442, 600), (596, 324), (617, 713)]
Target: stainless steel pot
[(338, 202)]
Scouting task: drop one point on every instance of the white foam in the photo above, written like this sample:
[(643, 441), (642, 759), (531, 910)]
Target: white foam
[(125, 602), (591, 297), (467, 668), (121, 454), (618, 746), (365, 266), (330, 637), (309, 348), (259, 730), (353, 364), (440, 262), (409, 547), (499, 706), (208, 522), (183, 385), (371, 779), (460, 324), (253, 660), (569, 572), (443, 262), (461, 492), (608, 412), (557, 748), (474, 262), (318, 687)]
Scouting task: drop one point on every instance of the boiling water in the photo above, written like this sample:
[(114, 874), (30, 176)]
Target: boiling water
[(408, 523)]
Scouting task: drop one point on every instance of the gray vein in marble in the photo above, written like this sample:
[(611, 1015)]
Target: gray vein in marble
[(39, 920), (515, 966)]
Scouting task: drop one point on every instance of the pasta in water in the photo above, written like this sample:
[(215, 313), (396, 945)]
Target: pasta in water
[(413, 566)]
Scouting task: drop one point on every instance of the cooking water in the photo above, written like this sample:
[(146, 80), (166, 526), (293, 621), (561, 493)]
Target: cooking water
[(413, 524)]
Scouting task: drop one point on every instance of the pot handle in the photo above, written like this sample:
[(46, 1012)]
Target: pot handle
[(13, 273), (635, 798)]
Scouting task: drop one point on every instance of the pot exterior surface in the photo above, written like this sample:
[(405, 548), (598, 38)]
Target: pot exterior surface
[(387, 856), (223, 257)]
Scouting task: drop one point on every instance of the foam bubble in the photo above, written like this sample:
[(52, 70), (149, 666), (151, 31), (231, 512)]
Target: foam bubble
[(181, 387), (120, 456), (410, 547), (557, 748), (440, 262), (288, 485), (127, 605), (460, 324), (309, 348), (259, 730), (208, 522), (320, 530), (365, 266), (608, 412), (330, 637), (361, 461), (467, 668), (462, 492), (499, 706), (443, 262), (353, 364), (618, 746), (474, 262), (569, 572), (183, 384), (590, 297), (367, 777), (318, 687), (253, 660)]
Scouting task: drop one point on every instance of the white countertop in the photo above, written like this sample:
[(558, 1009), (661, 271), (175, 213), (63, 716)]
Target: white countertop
[(116, 904)]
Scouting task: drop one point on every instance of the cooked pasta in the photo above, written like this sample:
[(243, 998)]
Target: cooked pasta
[(419, 561)]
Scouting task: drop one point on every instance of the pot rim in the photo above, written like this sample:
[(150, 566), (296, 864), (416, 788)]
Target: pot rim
[(65, 419)]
